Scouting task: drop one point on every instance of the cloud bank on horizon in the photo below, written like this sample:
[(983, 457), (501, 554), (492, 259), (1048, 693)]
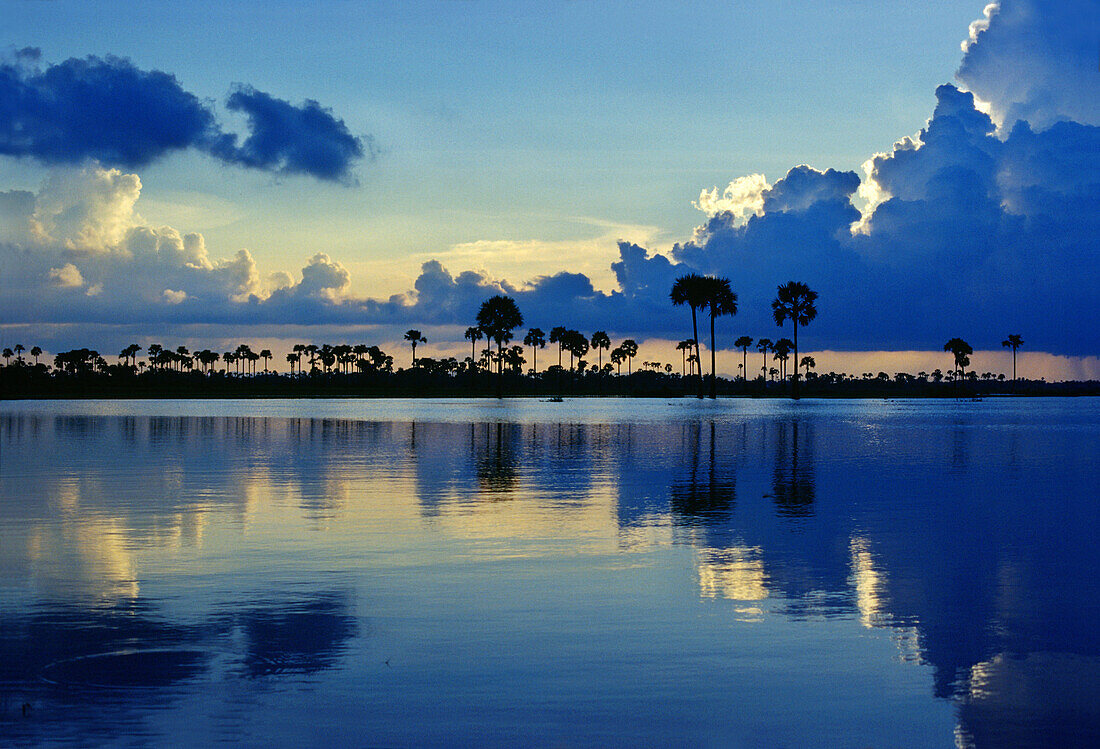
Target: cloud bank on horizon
[(981, 224), (108, 110)]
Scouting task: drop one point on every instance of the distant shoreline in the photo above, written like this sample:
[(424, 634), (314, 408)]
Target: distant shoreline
[(25, 385)]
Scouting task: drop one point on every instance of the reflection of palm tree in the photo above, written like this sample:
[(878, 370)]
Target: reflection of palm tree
[(700, 499), (794, 301), (1014, 341), (692, 291), (414, 337), (793, 487)]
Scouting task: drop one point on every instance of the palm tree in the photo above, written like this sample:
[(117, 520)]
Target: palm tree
[(600, 341), (153, 352), (721, 300), (36, 352), (808, 363), (7, 354), (743, 343), (576, 344), (536, 339), (292, 359), (794, 301), (265, 354), (684, 347), (1014, 341), (630, 348), (961, 350), (473, 334), (764, 345), (692, 291), (19, 349), (310, 351), (498, 317), (618, 356), (781, 352), (414, 337), (557, 335)]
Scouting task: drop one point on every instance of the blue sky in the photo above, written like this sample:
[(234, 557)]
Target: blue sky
[(518, 140)]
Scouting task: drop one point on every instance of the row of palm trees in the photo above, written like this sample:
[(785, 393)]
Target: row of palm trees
[(794, 301)]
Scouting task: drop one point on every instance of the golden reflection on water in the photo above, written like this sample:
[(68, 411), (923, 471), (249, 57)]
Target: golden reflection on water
[(736, 573)]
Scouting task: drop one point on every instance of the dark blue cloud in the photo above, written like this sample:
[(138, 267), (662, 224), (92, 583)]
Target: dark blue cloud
[(295, 140), (111, 111)]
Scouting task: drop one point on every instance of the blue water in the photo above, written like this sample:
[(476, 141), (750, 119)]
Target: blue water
[(588, 573)]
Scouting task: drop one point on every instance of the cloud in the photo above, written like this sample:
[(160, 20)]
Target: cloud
[(972, 230), (293, 140), (108, 110), (67, 276), (1034, 60)]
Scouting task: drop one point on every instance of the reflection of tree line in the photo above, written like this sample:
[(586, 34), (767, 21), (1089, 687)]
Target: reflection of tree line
[(49, 652)]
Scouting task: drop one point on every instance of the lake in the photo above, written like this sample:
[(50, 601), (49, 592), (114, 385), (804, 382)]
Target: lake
[(590, 573)]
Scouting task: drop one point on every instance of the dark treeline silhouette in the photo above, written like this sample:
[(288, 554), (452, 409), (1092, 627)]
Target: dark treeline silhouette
[(361, 370)]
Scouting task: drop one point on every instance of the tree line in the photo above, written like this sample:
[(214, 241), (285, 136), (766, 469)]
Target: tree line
[(497, 322)]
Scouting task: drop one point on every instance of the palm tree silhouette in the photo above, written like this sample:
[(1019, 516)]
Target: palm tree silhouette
[(536, 339), (557, 335), (764, 345), (781, 352), (630, 349), (7, 354), (721, 300), (600, 341), (808, 363), (961, 350), (743, 343), (473, 334), (691, 290), (36, 352), (414, 337), (1014, 341), (19, 349), (794, 301), (498, 316), (683, 347)]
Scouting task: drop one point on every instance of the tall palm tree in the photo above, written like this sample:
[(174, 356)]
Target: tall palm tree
[(781, 352), (473, 334), (536, 339), (743, 343), (557, 335), (691, 290), (600, 341), (1014, 341), (618, 356), (684, 347), (764, 345), (498, 317), (721, 300), (7, 354), (19, 349), (414, 337), (961, 350), (794, 301), (265, 354), (36, 352), (630, 348)]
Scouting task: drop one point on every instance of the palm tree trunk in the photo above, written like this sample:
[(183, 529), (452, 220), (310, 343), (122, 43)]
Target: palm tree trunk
[(698, 355), (794, 380), (713, 375)]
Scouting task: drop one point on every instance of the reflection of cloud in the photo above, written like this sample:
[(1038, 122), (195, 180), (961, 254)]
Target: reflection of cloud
[(736, 573), (1040, 699)]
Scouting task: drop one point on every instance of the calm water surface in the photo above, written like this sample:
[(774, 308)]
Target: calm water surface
[(595, 572)]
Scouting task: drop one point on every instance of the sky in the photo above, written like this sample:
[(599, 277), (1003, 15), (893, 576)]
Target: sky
[(211, 172)]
